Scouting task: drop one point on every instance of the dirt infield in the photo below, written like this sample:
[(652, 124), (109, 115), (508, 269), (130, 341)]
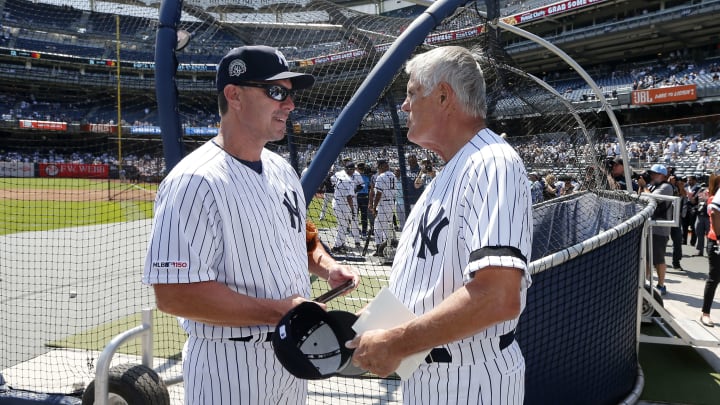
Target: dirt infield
[(118, 192)]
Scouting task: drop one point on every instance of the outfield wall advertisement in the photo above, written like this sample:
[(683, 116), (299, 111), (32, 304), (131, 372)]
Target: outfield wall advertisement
[(75, 170)]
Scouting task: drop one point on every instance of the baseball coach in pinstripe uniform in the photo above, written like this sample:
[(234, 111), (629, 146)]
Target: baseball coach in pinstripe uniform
[(461, 262), (229, 253)]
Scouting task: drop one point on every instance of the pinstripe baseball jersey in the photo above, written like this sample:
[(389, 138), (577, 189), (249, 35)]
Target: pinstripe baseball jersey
[(385, 187), (344, 186), (218, 220), (385, 184), (480, 199)]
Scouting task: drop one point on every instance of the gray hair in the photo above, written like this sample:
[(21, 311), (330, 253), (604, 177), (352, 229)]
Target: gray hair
[(458, 67)]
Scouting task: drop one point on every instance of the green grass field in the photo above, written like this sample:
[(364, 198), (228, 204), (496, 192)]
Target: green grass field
[(22, 214), (23, 209)]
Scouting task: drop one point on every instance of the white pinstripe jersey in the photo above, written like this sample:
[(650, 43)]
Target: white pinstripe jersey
[(344, 186), (481, 198), (217, 219), (385, 184)]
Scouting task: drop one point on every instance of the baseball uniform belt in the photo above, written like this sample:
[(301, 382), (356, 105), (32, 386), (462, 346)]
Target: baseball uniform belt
[(442, 355), (268, 338)]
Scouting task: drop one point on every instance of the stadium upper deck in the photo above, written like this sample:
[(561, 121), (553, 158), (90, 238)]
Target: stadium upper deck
[(75, 51)]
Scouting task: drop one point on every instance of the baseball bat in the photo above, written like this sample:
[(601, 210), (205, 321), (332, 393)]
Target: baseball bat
[(371, 230)]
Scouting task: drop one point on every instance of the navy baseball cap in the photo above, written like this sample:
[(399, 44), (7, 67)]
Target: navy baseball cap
[(310, 342), (258, 63)]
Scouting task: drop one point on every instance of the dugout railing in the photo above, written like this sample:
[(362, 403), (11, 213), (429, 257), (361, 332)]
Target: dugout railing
[(676, 330)]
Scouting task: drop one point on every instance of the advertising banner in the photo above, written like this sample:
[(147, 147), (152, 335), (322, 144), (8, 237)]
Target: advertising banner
[(99, 128), (211, 131), (661, 95), (44, 125), (75, 170)]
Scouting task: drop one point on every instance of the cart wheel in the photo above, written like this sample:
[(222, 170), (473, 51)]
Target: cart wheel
[(647, 309), (131, 384)]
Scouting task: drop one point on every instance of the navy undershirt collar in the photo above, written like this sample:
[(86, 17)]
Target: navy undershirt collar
[(255, 166)]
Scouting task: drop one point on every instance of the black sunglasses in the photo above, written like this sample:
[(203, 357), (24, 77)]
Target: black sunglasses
[(274, 91)]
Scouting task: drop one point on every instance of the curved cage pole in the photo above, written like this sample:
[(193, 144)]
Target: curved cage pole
[(596, 89)]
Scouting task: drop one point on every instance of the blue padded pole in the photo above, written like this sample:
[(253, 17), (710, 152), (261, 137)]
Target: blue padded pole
[(165, 90)]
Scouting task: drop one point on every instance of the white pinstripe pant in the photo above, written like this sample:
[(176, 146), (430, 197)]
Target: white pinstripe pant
[(225, 372), (500, 381), (383, 222)]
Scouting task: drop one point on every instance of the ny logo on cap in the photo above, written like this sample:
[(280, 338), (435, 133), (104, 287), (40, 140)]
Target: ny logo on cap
[(237, 68), (281, 58)]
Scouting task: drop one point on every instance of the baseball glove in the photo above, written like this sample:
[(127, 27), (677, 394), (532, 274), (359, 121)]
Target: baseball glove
[(311, 235)]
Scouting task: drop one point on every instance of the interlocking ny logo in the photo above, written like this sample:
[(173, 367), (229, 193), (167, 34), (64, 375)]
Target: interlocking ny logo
[(428, 233), (292, 207)]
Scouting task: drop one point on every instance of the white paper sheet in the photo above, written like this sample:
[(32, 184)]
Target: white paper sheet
[(385, 311)]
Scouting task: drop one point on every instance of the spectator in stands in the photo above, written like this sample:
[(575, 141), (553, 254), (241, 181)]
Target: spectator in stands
[(713, 278), (702, 162), (667, 153), (660, 234), (682, 145), (566, 185), (536, 187), (426, 175), (551, 191)]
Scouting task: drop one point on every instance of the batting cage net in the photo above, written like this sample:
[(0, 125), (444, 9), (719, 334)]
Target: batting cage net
[(78, 177)]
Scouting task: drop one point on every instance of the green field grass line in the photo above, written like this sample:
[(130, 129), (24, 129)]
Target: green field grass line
[(24, 216), (55, 183), (314, 210)]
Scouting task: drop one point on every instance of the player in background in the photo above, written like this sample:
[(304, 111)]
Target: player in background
[(461, 263), (382, 206), (363, 196), (399, 200), (345, 207), (228, 251)]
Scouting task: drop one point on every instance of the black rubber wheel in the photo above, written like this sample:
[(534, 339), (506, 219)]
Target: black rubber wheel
[(131, 384), (647, 309)]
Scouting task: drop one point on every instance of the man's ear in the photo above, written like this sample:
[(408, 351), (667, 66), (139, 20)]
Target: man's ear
[(231, 93), (444, 91)]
